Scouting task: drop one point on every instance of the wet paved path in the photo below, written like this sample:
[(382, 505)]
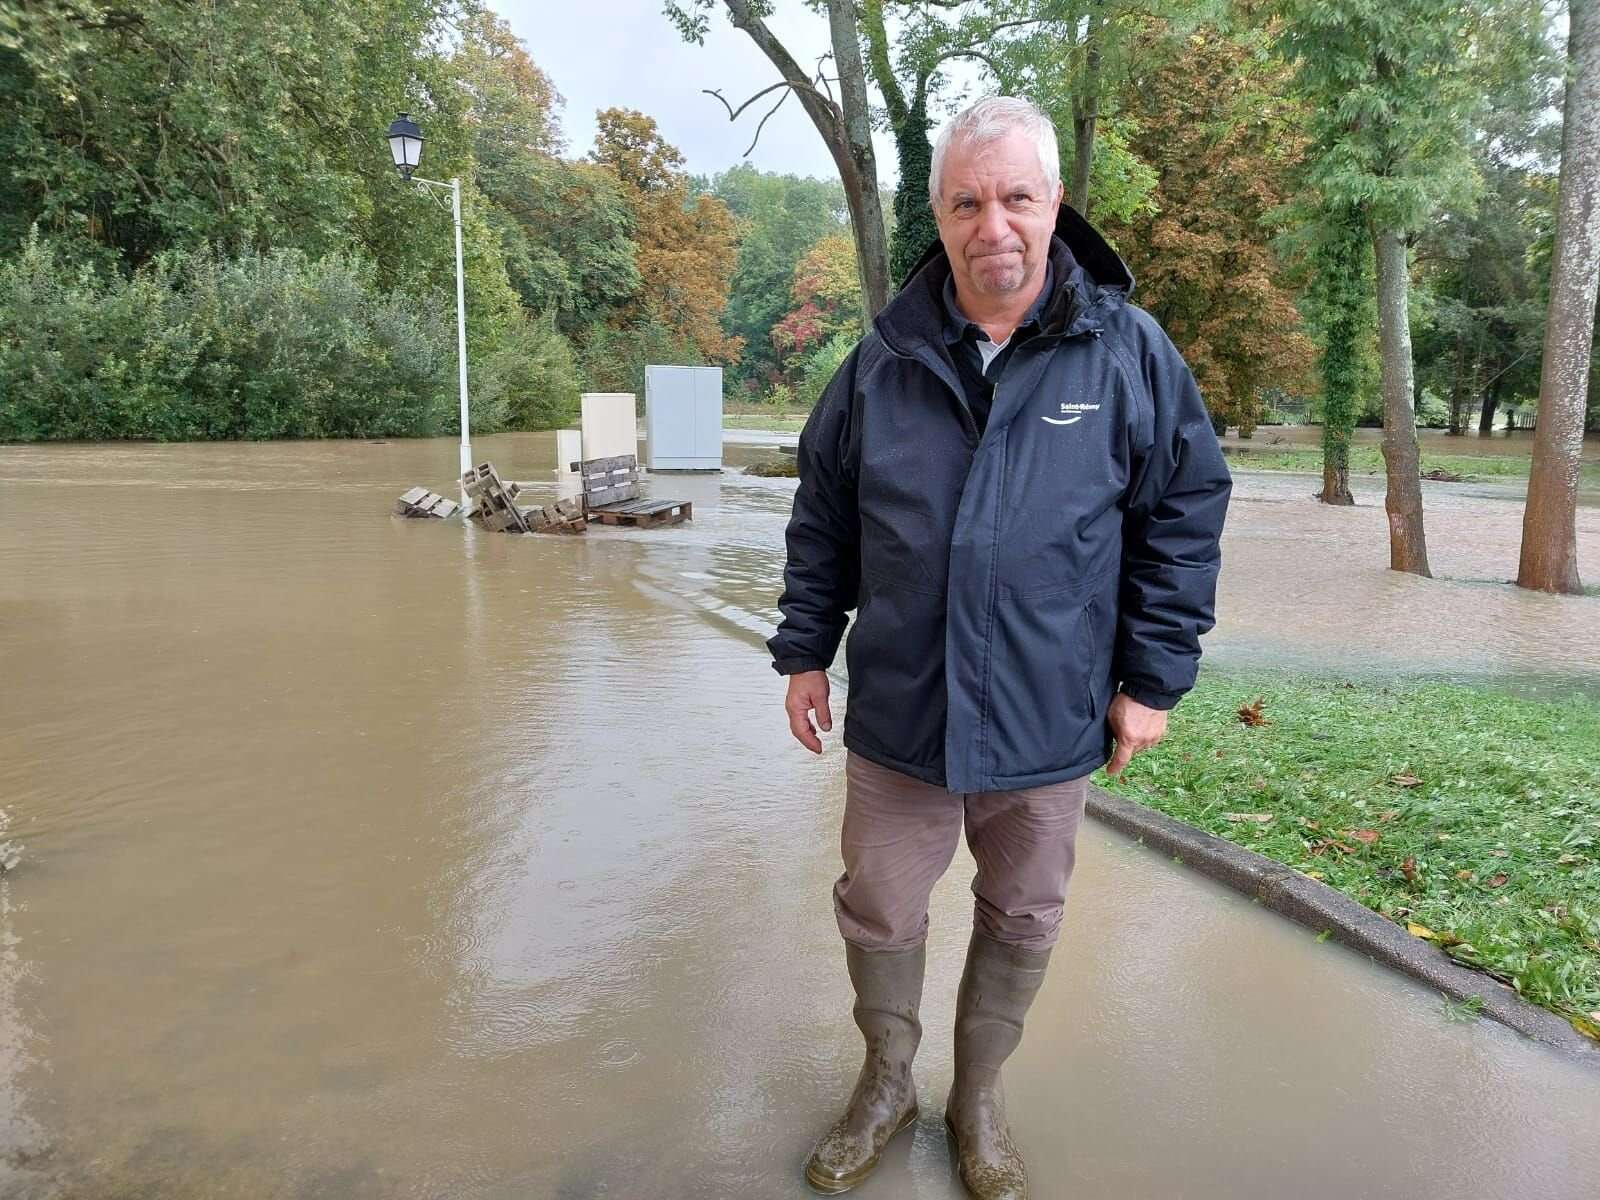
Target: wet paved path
[(376, 858)]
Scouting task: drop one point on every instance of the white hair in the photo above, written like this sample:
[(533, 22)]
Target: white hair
[(987, 121)]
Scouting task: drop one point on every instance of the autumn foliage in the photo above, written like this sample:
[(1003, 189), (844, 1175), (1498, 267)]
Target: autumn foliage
[(687, 244), (1223, 147), (826, 297)]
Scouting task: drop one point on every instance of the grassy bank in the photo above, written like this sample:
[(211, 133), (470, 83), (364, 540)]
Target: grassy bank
[(759, 417), (1469, 817), (1368, 460)]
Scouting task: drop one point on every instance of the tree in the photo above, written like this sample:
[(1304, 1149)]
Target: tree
[(1549, 531), (779, 217), (845, 125), (1390, 87), (825, 299), (1223, 147), (1338, 305), (686, 243), (565, 229)]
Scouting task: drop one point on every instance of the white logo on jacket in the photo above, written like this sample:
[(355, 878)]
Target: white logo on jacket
[(1077, 411)]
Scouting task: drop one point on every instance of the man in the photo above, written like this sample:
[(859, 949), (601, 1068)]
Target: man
[(1013, 481)]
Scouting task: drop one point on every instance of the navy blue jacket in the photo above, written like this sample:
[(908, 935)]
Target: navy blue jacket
[(1006, 585)]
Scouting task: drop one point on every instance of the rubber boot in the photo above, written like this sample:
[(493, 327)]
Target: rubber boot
[(997, 986), (888, 988)]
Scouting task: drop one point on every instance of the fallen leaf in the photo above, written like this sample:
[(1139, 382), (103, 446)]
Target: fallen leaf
[(1365, 836), (1495, 881), (1421, 931), (1405, 779), (1250, 714), (1587, 1026), (1262, 817), (1409, 868), (1325, 844)]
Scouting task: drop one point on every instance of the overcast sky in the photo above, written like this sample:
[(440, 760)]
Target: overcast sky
[(627, 54)]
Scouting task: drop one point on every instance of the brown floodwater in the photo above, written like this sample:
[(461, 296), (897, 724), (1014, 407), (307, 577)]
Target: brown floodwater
[(366, 857)]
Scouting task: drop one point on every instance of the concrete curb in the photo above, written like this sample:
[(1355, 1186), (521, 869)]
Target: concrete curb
[(1320, 907)]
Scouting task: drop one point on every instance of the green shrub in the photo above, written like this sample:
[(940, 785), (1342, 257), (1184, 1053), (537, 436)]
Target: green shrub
[(529, 382), (195, 346), (819, 366)]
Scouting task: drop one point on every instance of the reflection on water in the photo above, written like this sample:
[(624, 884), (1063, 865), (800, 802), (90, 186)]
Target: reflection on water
[(381, 858)]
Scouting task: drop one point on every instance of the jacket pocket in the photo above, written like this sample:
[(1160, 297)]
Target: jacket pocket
[(1043, 710)]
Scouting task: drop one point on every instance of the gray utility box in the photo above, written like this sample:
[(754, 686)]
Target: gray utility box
[(683, 418)]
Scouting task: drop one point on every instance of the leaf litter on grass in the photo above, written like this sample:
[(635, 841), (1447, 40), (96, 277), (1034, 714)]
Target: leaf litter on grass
[(1501, 810)]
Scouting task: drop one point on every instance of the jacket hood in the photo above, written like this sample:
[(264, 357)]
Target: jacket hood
[(1085, 266)]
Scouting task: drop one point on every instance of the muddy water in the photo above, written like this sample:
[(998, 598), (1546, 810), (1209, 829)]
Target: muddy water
[(380, 858)]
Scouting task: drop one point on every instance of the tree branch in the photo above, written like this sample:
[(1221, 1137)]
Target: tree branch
[(733, 113), (823, 112)]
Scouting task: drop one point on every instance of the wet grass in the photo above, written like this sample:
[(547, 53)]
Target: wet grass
[(1368, 460), (1470, 817), (774, 420)]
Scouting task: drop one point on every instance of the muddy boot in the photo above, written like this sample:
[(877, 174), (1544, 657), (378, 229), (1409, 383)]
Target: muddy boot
[(888, 993), (997, 987)]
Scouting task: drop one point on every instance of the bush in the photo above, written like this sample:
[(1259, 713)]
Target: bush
[(195, 346), (819, 366), (1433, 412), (529, 382)]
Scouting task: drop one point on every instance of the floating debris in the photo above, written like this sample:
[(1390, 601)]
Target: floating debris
[(781, 468), (612, 496), (420, 502), (493, 502)]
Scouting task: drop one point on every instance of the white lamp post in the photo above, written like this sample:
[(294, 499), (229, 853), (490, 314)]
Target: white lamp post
[(405, 143)]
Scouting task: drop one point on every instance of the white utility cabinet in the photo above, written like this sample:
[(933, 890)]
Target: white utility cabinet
[(683, 418), (609, 427)]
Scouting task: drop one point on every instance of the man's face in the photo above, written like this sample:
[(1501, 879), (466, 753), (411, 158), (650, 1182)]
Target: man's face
[(995, 214)]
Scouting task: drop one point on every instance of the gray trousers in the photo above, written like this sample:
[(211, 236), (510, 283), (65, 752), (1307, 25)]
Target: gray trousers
[(900, 836)]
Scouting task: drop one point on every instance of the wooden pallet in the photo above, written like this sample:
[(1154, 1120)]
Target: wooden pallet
[(420, 502), (644, 514), (612, 496), (609, 480), (494, 502), (564, 516)]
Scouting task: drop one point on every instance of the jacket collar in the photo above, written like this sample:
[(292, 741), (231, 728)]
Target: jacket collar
[(1085, 272)]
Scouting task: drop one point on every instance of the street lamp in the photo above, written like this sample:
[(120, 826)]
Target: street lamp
[(405, 144)]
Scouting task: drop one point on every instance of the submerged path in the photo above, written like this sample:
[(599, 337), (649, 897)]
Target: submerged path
[(379, 858)]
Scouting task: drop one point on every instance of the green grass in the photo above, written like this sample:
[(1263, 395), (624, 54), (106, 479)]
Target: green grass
[(1469, 816), (1368, 460), (776, 419)]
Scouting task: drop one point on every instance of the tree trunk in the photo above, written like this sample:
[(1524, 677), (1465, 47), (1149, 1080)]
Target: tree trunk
[(1408, 547), (1086, 112), (866, 207), (846, 133), (1491, 401), (914, 227), (1341, 279), (1458, 389), (1549, 522)]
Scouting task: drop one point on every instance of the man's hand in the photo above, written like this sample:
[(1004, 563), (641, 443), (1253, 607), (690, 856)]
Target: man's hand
[(1134, 727), (808, 693)]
